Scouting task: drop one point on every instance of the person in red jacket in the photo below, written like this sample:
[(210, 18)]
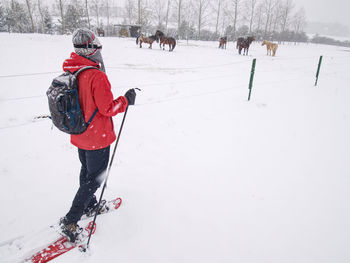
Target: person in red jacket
[(94, 144)]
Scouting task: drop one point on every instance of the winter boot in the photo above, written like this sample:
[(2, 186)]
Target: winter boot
[(103, 208), (70, 230)]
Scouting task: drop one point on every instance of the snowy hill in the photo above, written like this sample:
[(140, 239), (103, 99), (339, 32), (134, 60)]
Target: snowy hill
[(205, 175)]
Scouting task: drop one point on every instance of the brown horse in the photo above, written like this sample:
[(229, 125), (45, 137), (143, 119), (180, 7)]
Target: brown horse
[(149, 40), (222, 42), (270, 47), (165, 40), (100, 32), (239, 42), (244, 44)]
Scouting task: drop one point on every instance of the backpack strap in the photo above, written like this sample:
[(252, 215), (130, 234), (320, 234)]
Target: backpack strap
[(84, 68), (92, 116), (76, 75)]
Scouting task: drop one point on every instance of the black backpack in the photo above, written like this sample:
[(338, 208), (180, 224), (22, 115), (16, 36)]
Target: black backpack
[(64, 104)]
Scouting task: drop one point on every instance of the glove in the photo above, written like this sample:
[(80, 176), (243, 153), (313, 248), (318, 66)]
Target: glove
[(130, 95)]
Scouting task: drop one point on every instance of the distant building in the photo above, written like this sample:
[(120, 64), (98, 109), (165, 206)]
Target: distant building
[(127, 30)]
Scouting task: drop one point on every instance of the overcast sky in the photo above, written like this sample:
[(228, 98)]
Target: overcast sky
[(329, 11), (326, 10)]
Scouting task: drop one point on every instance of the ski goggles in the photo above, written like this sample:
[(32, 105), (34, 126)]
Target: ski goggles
[(95, 43)]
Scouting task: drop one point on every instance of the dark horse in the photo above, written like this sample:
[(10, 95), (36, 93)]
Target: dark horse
[(143, 39), (100, 32), (222, 42), (165, 40), (244, 43)]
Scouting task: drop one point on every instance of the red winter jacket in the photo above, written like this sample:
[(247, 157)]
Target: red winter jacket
[(95, 91)]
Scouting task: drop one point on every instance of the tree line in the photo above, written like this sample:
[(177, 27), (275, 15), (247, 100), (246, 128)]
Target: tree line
[(275, 20)]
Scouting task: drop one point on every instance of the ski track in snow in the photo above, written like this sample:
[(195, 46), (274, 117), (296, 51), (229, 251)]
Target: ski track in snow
[(205, 175)]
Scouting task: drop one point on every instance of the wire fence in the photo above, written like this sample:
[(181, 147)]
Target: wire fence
[(306, 74)]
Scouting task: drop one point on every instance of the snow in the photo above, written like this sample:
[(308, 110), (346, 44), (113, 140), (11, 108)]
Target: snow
[(205, 175)]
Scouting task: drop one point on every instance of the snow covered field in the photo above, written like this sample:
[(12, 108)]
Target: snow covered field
[(205, 175)]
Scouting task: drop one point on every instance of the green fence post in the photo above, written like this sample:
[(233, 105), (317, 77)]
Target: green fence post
[(251, 77), (318, 69)]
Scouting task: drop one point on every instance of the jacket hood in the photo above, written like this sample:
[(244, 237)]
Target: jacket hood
[(76, 62)]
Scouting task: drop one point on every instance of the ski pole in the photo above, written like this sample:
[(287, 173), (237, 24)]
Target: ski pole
[(105, 183)]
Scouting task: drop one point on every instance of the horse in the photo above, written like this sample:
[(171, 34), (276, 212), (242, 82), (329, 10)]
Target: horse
[(149, 40), (270, 47), (165, 40), (244, 44), (222, 42), (168, 41), (100, 32)]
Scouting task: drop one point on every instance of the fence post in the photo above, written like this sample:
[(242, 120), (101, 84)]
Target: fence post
[(318, 69), (251, 77)]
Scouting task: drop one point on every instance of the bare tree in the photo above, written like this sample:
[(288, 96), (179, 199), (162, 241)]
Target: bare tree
[(167, 16), (235, 16), (202, 15), (107, 10), (259, 16), (232, 15), (299, 21), (158, 7), (97, 8), (139, 12), (61, 7), (179, 4), (225, 19), (287, 8), (130, 11), (251, 8), (30, 14), (87, 13), (276, 16), (218, 10), (143, 12), (268, 8), (41, 13)]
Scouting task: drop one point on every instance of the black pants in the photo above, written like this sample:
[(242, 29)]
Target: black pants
[(93, 164)]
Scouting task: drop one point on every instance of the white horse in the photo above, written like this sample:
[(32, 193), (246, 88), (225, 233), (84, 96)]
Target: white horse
[(271, 47)]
